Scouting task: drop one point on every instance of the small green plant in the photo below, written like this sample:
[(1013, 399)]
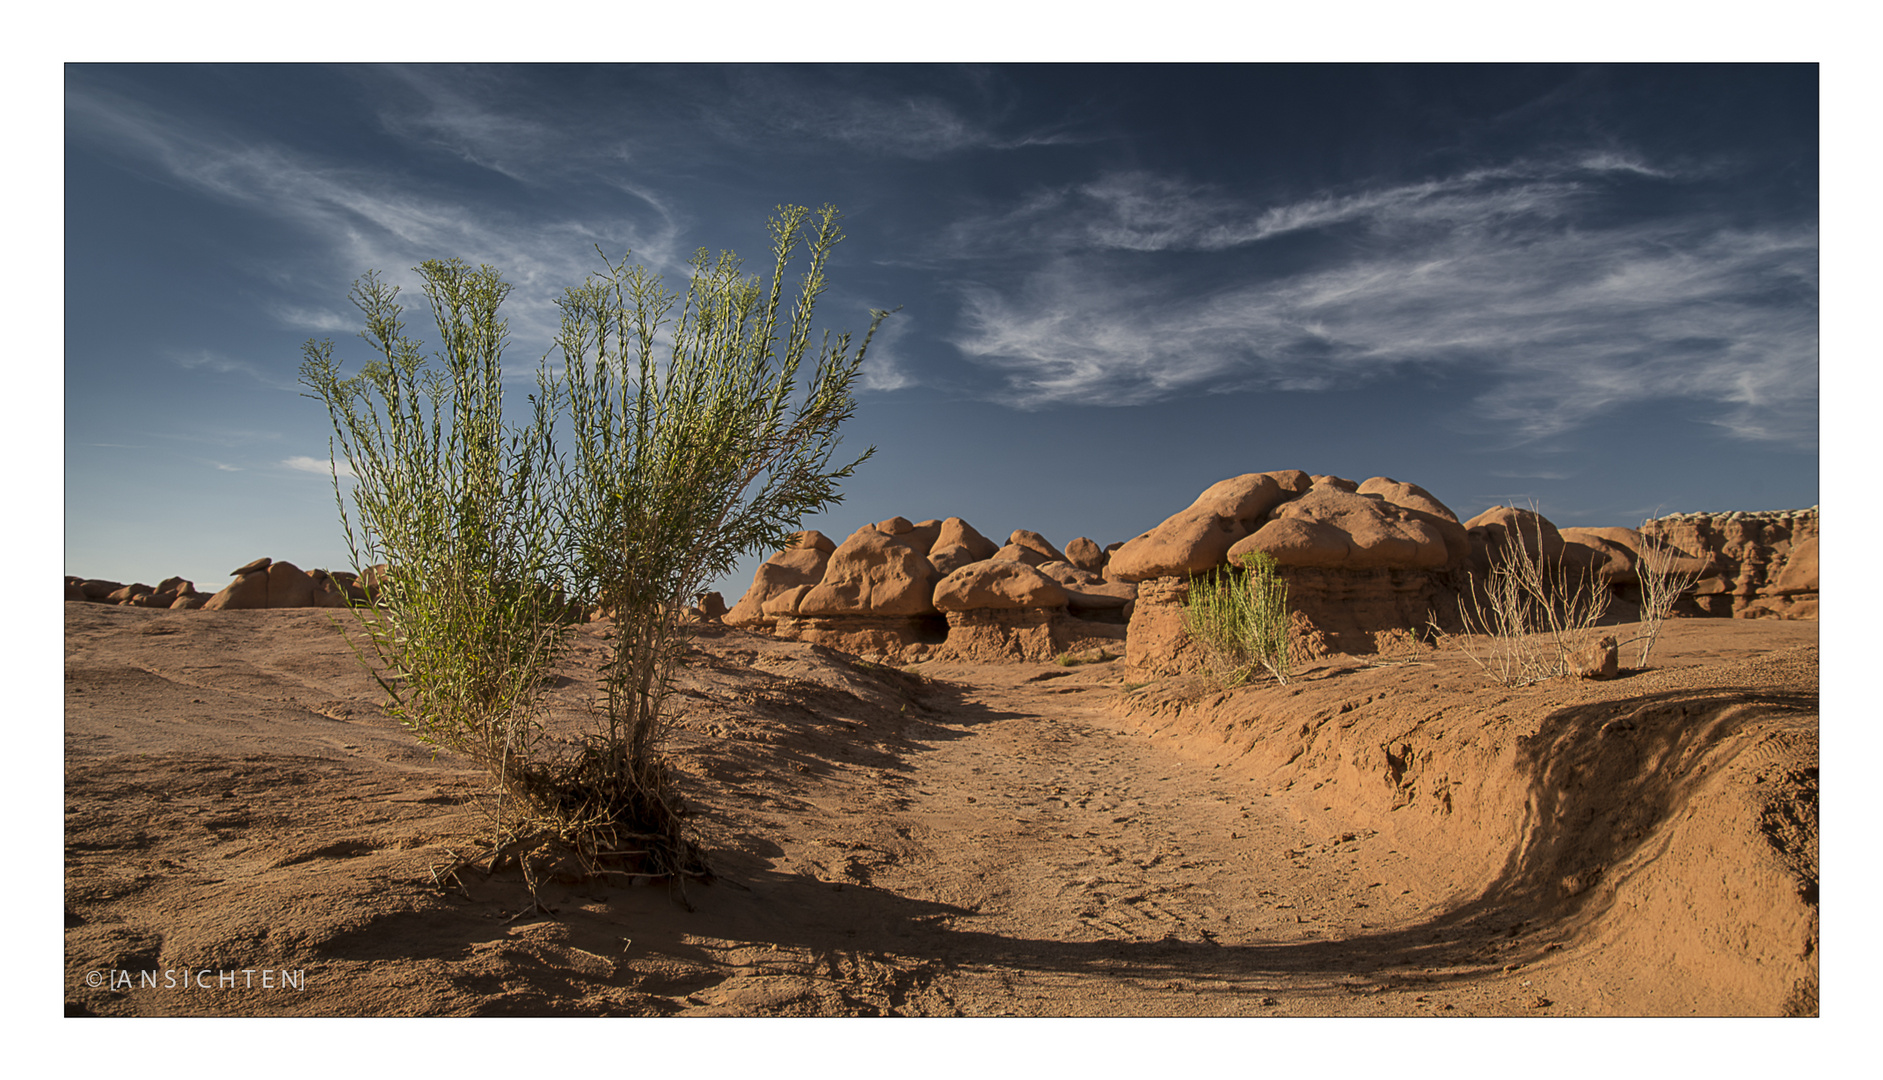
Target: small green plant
[(1241, 621), (470, 611)]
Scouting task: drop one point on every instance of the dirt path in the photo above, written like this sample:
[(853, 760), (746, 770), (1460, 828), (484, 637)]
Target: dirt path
[(969, 840), (1098, 872)]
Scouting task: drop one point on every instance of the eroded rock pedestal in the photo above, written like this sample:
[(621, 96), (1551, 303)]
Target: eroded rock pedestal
[(1366, 564)]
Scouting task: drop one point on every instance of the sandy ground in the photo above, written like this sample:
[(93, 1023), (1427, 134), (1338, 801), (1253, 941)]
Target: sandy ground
[(1385, 839)]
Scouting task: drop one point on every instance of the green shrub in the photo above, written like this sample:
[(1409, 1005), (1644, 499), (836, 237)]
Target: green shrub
[(693, 442), (1240, 620), (470, 613)]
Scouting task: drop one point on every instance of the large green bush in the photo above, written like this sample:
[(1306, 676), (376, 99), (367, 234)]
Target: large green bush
[(456, 509), (703, 425), (696, 442)]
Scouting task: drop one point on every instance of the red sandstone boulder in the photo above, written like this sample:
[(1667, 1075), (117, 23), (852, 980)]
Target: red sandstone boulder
[(1610, 552), (289, 586), (1069, 575), (1200, 537), (781, 605), (810, 540), (1495, 529), (872, 574), (1085, 554), (956, 545), (998, 584), (923, 536), (251, 567), (1297, 542), (1331, 526), (1017, 553), (1033, 541), (99, 589), (246, 592), (791, 573), (1408, 496), (336, 588), (919, 535), (1419, 502), (1596, 660), (128, 593)]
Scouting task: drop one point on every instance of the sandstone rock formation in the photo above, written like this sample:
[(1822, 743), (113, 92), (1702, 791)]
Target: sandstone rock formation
[(1199, 537), (274, 583), (872, 574), (782, 581), (1500, 526), (1363, 562), (1032, 541), (1331, 526), (1086, 554), (958, 544), (998, 584), (247, 592), (1765, 563), (1597, 660)]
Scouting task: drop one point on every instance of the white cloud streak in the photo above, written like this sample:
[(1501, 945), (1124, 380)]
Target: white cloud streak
[(770, 103), (883, 367), (1143, 212), (1495, 272), (318, 466), (205, 360), (358, 219)]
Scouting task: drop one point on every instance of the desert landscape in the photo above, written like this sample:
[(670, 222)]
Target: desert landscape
[(938, 776)]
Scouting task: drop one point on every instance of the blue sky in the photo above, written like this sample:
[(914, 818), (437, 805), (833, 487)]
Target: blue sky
[(1592, 287)]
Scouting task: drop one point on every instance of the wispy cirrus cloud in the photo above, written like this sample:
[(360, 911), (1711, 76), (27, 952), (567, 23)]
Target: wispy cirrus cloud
[(317, 466), (359, 218), (766, 104), (314, 318), (1516, 274), (1138, 211), (883, 365), (219, 364)]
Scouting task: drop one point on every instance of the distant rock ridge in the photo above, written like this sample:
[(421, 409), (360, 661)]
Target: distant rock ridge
[(1760, 564), (1364, 562), (260, 583)]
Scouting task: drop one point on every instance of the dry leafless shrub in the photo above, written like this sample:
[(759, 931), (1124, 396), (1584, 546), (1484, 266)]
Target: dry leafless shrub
[(1533, 613), (1663, 582)]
